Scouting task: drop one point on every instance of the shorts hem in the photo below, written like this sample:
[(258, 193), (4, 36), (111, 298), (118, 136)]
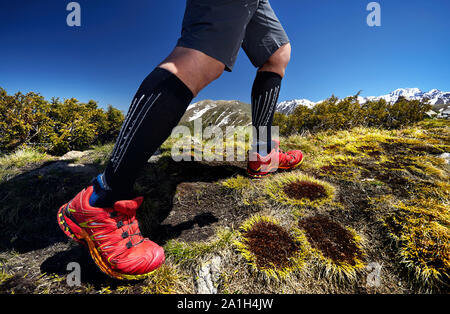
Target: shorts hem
[(206, 51), (269, 51)]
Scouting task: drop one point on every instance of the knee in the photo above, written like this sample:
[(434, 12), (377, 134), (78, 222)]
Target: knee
[(279, 61), (203, 75), (212, 72), (193, 67)]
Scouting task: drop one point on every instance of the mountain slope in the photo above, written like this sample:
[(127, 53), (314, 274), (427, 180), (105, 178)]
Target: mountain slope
[(221, 113), (363, 198)]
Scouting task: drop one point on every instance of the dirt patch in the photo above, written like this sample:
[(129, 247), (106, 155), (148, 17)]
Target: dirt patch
[(271, 244), (305, 189), (183, 200), (334, 241), (18, 284)]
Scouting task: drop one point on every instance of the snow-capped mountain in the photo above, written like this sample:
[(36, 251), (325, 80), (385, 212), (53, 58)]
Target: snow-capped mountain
[(218, 112), (235, 113), (287, 107), (436, 98)]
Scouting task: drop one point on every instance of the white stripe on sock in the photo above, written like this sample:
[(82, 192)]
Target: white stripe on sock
[(257, 111), (272, 106), (124, 130), (264, 108), (142, 117)]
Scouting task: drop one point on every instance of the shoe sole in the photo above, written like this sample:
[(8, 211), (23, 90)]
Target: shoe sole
[(260, 176), (85, 239)]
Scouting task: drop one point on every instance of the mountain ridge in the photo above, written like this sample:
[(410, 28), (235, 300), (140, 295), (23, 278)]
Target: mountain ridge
[(439, 99)]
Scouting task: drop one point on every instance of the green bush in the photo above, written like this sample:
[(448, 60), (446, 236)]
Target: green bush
[(347, 113), (54, 126)]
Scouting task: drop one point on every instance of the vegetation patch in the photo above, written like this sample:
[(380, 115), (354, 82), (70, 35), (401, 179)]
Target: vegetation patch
[(305, 189), (421, 232), (299, 189), (54, 126), (25, 157), (238, 183), (339, 248), (189, 253), (165, 280), (392, 182), (269, 247), (344, 114)]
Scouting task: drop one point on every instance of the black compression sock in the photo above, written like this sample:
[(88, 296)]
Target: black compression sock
[(157, 107), (265, 91)]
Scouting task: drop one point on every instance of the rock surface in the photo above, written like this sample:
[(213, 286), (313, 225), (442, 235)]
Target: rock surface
[(208, 276)]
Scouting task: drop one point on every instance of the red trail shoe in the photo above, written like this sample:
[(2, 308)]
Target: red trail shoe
[(260, 166), (112, 236)]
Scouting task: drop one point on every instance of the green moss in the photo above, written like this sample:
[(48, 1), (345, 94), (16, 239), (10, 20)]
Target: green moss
[(238, 183), (421, 229), (183, 253), (165, 280), (12, 164)]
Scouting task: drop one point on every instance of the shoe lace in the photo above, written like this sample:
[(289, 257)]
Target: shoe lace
[(282, 156), (128, 221)]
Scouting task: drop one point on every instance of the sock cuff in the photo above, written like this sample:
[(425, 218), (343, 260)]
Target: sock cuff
[(268, 74), (177, 86)]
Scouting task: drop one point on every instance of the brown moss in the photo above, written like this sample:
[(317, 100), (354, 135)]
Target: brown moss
[(271, 244), (331, 169), (334, 241), (333, 147), (305, 189), (370, 150), (430, 149)]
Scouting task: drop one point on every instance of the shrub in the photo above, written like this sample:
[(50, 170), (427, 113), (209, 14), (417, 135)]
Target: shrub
[(54, 126), (347, 113)]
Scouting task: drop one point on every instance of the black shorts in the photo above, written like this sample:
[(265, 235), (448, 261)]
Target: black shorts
[(219, 28)]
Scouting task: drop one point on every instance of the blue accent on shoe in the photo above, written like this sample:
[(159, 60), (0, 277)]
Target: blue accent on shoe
[(100, 194), (95, 194), (262, 148)]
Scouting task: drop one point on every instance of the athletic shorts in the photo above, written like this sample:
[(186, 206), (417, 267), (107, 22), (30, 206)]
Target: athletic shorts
[(219, 28)]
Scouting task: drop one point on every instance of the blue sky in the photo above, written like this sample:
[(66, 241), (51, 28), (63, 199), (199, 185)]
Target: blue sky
[(120, 42)]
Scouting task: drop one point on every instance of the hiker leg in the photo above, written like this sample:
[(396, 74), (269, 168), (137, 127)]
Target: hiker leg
[(278, 62), (156, 109), (193, 67), (267, 46), (265, 92), (212, 33)]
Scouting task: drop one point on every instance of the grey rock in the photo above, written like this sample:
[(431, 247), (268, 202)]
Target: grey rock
[(208, 276), (446, 157), (74, 154)]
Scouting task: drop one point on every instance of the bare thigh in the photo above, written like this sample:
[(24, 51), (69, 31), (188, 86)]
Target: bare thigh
[(193, 67)]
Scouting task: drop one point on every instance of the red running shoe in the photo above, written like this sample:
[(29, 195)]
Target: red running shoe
[(260, 166), (112, 236)]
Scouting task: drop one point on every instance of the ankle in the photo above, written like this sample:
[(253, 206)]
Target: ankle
[(102, 195), (262, 148)]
